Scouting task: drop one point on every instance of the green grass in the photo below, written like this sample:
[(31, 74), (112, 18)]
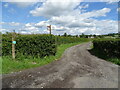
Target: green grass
[(114, 60), (9, 65)]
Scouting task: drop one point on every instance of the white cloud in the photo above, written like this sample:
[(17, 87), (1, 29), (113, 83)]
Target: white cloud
[(118, 9), (96, 13), (14, 24), (63, 20), (63, 15), (28, 24), (109, 1), (85, 26), (3, 30), (21, 3), (83, 7), (42, 24), (1, 23), (79, 20), (51, 8), (58, 28), (96, 27), (29, 30), (6, 5)]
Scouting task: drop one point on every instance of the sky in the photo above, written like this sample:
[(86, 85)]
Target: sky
[(68, 16)]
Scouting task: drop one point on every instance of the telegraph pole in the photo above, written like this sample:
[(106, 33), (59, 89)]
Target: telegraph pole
[(13, 45)]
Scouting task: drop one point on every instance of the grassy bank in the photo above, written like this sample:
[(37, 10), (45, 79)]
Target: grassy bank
[(9, 65)]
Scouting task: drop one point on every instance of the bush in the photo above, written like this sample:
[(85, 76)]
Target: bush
[(34, 45), (108, 47)]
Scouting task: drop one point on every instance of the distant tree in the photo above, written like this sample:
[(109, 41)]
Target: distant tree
[(119, 35), (94, 36), (65, 35), (76, 35), (7, 32), (69, 35), (100, 36), (90, 35), (82, 36), (86, 36)]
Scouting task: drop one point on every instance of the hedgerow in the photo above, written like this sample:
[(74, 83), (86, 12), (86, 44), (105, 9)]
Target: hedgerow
[(108, 47), (34, 45), (65, 40)]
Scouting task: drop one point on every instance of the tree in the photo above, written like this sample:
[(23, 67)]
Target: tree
[(65, 35), (82, 36), (76, 35), (94, 36)]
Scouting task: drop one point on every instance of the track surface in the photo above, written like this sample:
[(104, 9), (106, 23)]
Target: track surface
[(76, 69)]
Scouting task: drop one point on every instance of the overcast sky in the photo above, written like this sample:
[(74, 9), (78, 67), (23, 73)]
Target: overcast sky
[(72, 17)]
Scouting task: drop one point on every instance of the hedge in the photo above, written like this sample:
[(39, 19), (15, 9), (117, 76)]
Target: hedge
[(65, 40), (34, 45), (109, 47)]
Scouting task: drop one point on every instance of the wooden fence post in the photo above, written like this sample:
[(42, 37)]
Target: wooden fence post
[(13, 45), (49, 28)]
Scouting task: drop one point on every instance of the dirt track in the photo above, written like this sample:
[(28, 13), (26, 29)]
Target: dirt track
[(76, 69)]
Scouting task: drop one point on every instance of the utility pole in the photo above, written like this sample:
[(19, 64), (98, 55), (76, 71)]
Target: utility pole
[(13, 44), (49, 28)]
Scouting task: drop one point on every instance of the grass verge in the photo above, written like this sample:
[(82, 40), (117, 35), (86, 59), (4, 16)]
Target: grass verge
[(9, 65)]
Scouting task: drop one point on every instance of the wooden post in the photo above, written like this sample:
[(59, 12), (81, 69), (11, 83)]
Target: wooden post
[(49, 28), (13, 45)]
